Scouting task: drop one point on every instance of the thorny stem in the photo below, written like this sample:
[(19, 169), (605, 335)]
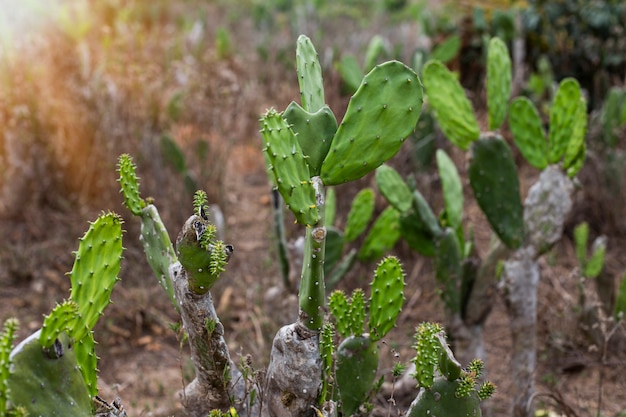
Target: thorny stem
[(312, 290)]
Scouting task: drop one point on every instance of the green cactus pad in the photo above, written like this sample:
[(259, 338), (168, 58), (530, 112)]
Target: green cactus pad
[(98, 261), (309, 75), (314, 132), (416, 234), (493, 178), (357, 312), (382, 236), (452, 189), (340, 310), (427, 353), (7, 335), (130, 184), (198, 261), (452, 109), (289, 167), (357, 362), (380, 116), (441, 400), (158, 248), (85, 349), (48, 383), (528, 135), (563, 114), (575, 152), (498, 82), (393, 188), (425, 214), (387, 297), (61, 319), (448, 269), (360, 214), (334, 248), (448, 365)]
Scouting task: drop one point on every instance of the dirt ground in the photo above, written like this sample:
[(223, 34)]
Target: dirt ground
[(581, 365)]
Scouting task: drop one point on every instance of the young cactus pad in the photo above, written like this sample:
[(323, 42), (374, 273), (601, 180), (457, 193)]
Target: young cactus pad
[(156, 241), (494, 181), (380, 116), (288, 167), (357, 363), (498, 82), (309, 75), (452, 109), (387, 297), (199, 252)]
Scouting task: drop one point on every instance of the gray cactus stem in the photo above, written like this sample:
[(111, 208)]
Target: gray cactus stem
[(545, 210), (218, 383)]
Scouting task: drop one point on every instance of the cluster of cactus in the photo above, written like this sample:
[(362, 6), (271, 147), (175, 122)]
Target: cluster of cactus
[(306, 150), (54, 371), (446, 389), (357, 355)]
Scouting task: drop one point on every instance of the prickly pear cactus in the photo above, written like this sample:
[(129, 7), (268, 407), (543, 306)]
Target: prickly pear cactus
[(380, 116), (357, 363), (314, 132), (498, 82), (309, 75), (382, 236), (289, 167), (494, 181), (199, 252), (563, 114), (357, 355), (454, 392), (452, 189), (393, 188), (48, 382), (453, 110), (387, 297), (156, 241), (360, 214), (528, 135), (448, 271)]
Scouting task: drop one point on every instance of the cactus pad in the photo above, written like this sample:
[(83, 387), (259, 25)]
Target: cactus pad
[(48, 382), (427, 353), (289, 167), (448, 269), (452, 109), (357, 362), (393, 188), (314, 132), (340, 309), (528, 134), (61, 319), (360, 214), (380, 116), (563, 114), (493, 178), (130, 184), (452, 189), (98, 261), (309, 75), (383, 235), (575, 152), (442, 400), (498, 82), (387, 297)]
